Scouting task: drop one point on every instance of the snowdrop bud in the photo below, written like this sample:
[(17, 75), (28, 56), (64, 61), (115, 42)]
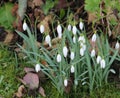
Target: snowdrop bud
[(102, 63), (59, 29), (37, 67), (81, 25), (69, 27), (74, 39), (81, 51), (59, 58), (42, 28), (74, 30), (48, 40), (93, 53), (98, 59), (94, 37), (117, 45), (65, 82), (72, 55), (72, 69), (24, 26), (65, 51)]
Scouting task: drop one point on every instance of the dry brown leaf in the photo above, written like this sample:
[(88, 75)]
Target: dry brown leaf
[(20, 92), (27, 69), (91, 17), (42, 92)]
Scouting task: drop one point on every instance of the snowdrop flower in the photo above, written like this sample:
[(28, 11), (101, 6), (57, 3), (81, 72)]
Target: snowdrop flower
[(72, 55), (65, 82), (60, 35), (74, 30), (94, 37), (65, 51), (37, 67), (48, 40), (74, 39), (72, 69), (117, 45), (81, 39), (98, 59), (83, 46), (82, 51), (93, 53), (42, 28), (81, 25), (59, 30), (102, 63), (59, 58), (69, 27), (24, 26)]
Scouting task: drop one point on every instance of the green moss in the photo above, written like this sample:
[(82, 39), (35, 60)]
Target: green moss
[(8, 81)]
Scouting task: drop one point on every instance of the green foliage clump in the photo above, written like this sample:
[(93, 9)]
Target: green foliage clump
[(6, 17), (8, 83)]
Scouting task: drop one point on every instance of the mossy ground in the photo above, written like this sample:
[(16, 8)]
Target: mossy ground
[(9, 71)]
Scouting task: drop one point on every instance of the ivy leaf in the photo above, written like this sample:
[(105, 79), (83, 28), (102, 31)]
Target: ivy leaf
[(6, 17)]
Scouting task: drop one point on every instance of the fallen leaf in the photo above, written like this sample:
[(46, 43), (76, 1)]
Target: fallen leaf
[(20, 92), (32, 80), (42, 92), (27, 69)]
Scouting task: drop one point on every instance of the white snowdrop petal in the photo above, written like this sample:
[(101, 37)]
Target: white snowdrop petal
[(81, 25), (94, 37), (81, 51), (76, 82), (72, 55), (93, 53), (24, 26), (117, 45), (102, 63), (42, 29), (59, 29), (59, 58), (48, 40), (65, 51), (60, 35), (37, 67), (69, 27), (98, 59), (65, 82), (74, 30), (74, 39), (72, 69)]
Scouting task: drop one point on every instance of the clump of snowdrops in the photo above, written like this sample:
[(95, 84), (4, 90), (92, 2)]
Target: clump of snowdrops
[(87, 60)]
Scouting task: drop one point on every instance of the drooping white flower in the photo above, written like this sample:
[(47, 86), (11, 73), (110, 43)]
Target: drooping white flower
[(74, 30), (59, 58), (93, 53), (37, 67), (83, 46), (59, 29), (42, 28), (102, 63), (81, 39), (72, 69), (72, 55), (74, 39), (117, 45), (25, 26), (94, 37), (48, 40), (65, 51), (69, 27), (82, 51), (81, 25), (98, 59), (65, 82)]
